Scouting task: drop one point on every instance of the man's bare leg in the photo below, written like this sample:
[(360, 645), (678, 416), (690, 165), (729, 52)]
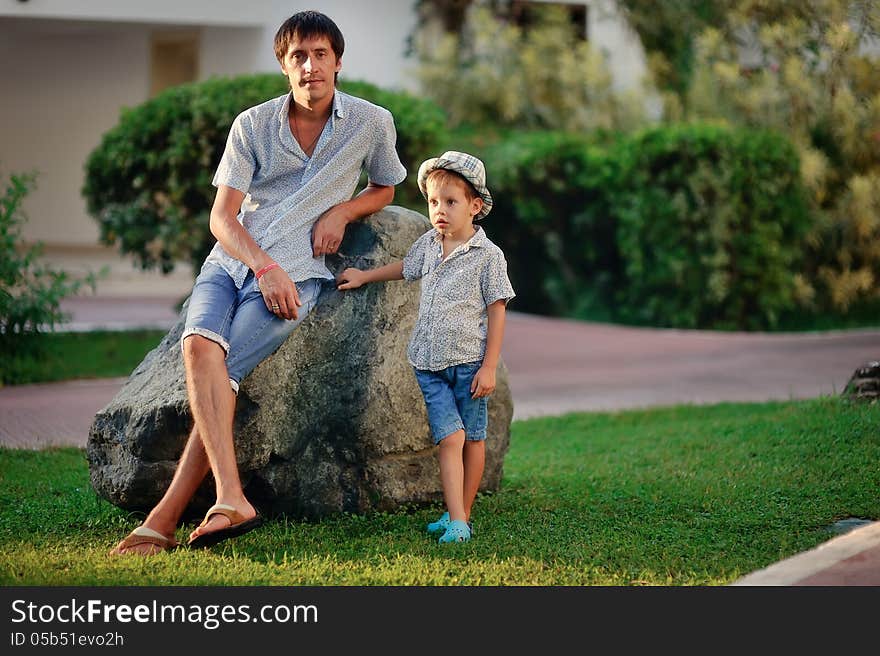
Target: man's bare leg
[(191, 470), (212, 403)]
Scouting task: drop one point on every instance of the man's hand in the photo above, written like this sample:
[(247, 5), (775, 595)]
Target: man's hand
[(328, 231), (280, 294), (483, 383), (351, 279)]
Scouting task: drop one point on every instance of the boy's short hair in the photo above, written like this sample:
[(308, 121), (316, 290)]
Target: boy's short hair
[(305, 25)]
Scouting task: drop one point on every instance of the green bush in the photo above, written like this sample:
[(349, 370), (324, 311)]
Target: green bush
[(552, 218), (30, 292), (689, 226), (421, 129), (711, 222), (148, 183)]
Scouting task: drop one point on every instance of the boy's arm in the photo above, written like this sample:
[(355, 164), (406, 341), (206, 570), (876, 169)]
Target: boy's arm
[(275, 285), (330, 227), (353, 278), (483, 383)]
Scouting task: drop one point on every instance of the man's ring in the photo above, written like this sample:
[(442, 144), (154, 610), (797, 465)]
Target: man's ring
[(275, 306)]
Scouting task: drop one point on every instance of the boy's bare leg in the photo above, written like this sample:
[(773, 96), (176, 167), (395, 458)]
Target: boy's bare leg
[(212, 403), (474, 457), (452, 474)]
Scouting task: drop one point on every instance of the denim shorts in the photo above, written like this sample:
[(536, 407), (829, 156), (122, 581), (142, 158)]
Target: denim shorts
[(238, 319), (448, 400)]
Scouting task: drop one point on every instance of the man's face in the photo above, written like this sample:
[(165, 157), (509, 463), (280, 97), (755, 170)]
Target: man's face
[(311, 66)]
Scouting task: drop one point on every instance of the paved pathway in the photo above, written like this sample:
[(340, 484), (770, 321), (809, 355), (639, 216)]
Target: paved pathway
[(554, 366), (560, 366)]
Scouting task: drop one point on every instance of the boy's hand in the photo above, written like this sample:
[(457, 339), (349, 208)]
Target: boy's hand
[(351, 278), (483, 383)]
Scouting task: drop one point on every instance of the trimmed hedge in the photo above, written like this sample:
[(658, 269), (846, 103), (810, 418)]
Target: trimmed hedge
[(148, 183), (692, 226), (553, 219), (712, 224)]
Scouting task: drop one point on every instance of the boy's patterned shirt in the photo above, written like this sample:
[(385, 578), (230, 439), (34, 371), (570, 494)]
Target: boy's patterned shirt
[(452, 324), (287, 191)]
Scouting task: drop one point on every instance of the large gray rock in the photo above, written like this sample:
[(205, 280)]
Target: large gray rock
[(332, 421)]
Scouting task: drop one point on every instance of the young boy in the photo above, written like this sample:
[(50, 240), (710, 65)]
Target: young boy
[(456, 342)]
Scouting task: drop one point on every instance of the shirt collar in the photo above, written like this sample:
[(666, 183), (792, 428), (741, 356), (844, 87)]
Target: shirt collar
[(478, 239), (338, 106)]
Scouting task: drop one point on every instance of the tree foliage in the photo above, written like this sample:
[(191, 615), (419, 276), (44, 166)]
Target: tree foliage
[(809, 71), (544, 77), (668, 32)]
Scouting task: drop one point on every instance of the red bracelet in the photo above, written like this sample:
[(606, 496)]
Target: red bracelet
[(268, 267)]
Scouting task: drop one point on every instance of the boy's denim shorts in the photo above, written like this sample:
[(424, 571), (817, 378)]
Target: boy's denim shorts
[(448, 400), (238, 319)]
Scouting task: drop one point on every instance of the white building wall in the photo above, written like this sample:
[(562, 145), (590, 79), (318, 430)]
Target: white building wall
[(231, 51), (200, 12), (613, 36), (66, 90)]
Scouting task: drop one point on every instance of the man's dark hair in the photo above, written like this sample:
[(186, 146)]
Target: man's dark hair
[(308, 25)]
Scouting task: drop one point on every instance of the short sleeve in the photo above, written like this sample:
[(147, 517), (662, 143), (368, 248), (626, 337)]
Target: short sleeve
[(414, 262), (494, 280), (237, 166), (382, 162)]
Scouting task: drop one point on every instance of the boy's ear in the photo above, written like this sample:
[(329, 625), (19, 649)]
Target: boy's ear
[(476, 206)]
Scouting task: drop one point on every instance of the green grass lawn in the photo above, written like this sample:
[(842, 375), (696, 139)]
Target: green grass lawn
[(64, 356), (682, 496)]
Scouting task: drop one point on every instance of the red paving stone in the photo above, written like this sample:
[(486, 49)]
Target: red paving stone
[(558, 366), (861, 569), (52, 414)]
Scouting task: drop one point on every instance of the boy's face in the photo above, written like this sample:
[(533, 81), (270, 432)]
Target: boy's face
[(311, 66), (449, 209)]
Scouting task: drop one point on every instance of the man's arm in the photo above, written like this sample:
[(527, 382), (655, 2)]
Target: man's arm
[(483, 383), (276, 285), (330, 227)]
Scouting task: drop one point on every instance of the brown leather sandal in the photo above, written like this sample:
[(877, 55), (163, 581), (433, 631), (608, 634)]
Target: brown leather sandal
[(143, 535), (238, 525)]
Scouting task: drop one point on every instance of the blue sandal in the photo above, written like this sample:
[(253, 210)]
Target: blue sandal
[(458, 531), (442, 524)]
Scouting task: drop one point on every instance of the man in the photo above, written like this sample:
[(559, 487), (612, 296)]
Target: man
[(284, 197)]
